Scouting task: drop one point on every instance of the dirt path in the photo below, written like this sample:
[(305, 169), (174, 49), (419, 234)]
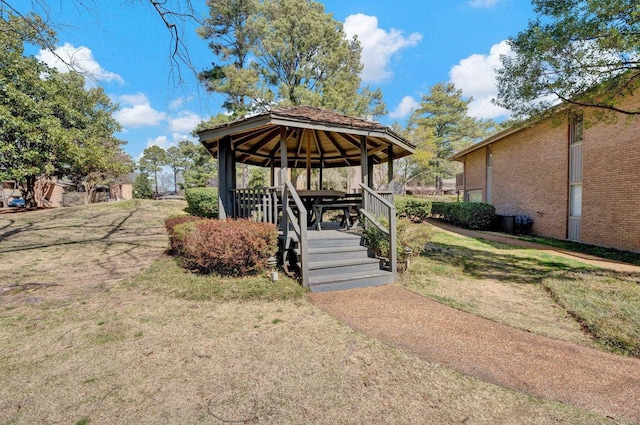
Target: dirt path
[(552, 369), (510, 240)]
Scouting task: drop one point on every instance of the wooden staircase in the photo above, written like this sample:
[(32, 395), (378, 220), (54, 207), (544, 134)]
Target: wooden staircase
[(337, 260)]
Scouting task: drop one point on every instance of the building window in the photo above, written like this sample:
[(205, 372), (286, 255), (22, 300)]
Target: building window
[(576, 129), (474, 195), (576, 200)]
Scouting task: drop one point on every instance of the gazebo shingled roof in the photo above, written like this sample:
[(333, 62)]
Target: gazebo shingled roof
[(326, 139)]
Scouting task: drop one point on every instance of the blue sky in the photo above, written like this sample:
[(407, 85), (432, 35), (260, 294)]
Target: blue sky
[(408, 46)]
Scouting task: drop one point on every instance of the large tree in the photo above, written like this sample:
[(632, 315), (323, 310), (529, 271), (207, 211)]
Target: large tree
[(178, 162), (285, 51), (49, 125), (94, 155), (152, 160), (443, 127), (201, 168), (584, 52), (231, 39)]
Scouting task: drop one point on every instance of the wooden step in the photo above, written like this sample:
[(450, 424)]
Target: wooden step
[(337, 253), (334, 267), (345, 281)]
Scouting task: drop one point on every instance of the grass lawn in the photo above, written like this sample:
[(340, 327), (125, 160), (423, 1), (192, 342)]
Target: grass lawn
[(99, 326), (533, 290)]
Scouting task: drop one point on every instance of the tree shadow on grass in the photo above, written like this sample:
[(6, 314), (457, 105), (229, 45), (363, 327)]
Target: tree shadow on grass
[(501, 265)]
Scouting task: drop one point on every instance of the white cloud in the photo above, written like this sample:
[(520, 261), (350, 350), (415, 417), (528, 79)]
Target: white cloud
[(483, 3), (162, 141), (139, 113), (407, 105), (179, 102), (165, 142), (378, 45), (80, 59), (476, 76), (133, 99), (184, 122)]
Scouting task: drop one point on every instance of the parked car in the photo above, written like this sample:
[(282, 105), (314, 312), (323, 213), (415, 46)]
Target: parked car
[(16, 203)]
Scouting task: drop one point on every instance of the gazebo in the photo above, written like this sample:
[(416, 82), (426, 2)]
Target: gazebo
[(305, 138)]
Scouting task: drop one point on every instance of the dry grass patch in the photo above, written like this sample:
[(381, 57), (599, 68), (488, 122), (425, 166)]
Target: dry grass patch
[(80, 248), (152, 359), (495, 281), (551, 295), (606, 303), (167, 277), (163, 348)]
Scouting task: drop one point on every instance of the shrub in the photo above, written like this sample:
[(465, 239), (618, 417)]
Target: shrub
[(227, 247), (176, 236), (414, 208), (408, 235), (202, 201), (471, 215)]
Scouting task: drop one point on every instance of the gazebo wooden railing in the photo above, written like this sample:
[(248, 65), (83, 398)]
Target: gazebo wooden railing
[(381, 212), (259, 204), (266, 204)]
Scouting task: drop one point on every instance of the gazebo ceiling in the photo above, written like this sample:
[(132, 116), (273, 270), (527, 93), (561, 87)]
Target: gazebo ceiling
[(324, 139)]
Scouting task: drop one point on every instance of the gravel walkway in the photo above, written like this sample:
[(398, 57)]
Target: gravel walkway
[(590, 379)]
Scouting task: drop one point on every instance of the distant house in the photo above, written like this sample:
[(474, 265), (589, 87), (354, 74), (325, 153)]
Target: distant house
[(577, 182), (57, 193)]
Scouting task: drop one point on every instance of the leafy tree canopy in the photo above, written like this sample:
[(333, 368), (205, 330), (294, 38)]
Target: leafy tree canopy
[(49, 124), (152, 160), (284, 51), (584, 52), (440, 127)]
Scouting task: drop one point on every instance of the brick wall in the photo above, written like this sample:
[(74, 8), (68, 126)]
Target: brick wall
[(610, 185), (475, 172), (529, 173)]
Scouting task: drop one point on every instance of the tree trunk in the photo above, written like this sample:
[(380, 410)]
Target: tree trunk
[(155, 190), (29, 192)]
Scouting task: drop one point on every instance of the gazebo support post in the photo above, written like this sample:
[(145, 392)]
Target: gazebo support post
[(283, 155), (308, 163), (390, 170), (226, 179), (272, 168), (364, 161), (283, 179)]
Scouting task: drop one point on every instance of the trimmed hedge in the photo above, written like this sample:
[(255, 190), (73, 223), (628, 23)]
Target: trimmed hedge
[(471, 215), (226, 247), (202, 201), (414, 208)]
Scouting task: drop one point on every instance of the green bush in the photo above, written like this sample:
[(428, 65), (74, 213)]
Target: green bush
[(226, 247), (413, 208), (408, 235), (202, 201), (471, 215)]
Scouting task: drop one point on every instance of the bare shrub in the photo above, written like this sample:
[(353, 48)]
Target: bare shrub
[(227, 247)]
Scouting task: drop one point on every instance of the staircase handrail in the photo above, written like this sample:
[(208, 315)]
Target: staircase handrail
[(299, 225), (374, 208)]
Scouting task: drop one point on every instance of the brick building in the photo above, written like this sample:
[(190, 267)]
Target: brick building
[(577, 181)]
